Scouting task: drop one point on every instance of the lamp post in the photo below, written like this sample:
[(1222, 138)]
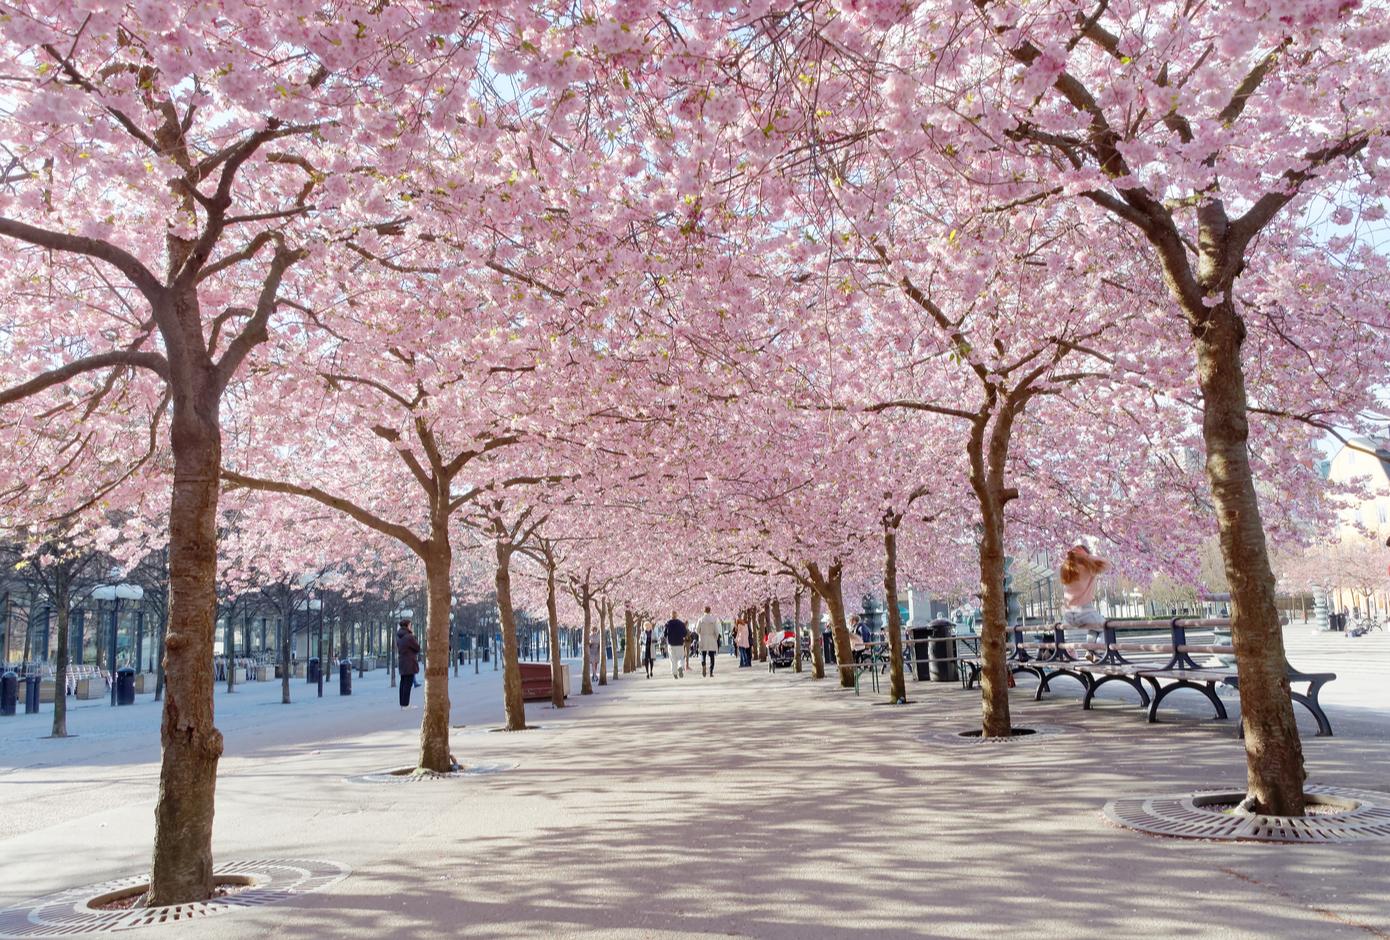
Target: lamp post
[(115, 593), (320, 643)]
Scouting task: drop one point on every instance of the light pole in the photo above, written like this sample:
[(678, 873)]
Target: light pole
[(115, 593)]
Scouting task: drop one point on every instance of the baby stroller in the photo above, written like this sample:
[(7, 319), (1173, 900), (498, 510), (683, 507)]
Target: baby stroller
[(781, 650)]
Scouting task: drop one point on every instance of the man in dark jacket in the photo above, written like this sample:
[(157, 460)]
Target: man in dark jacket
[(676, 633), (408, 654)]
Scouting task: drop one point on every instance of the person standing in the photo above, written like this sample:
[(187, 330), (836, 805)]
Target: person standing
[(707, 630), (408, 657), (593, 655), (1080, 575), (743, 639), (676, 632), (647, 649)]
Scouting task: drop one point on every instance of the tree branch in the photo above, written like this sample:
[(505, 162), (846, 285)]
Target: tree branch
[(369, 519)]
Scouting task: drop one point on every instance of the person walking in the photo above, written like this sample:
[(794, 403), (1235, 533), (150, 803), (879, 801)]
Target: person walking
[(1080, 575), (676, 631), (593, 655), (707, 631), (743, 639), (647, 649), (408, 657)]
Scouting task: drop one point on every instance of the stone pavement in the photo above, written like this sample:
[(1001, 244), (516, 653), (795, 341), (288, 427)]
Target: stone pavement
[(743, 805)]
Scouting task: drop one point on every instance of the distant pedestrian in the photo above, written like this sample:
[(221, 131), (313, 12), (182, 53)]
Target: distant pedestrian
[(743, 639), (408, 655), (1080, 574), (707, 631), (676, 631), (647, 650), (593, 655)]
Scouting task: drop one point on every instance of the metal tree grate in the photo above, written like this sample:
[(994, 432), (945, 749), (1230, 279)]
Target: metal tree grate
[(414, 775), (971, 737), (1349, 816), (68, 914)]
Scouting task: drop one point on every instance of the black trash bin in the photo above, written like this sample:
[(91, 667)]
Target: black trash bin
[(485, 654), (9, 693), (345, 677), (31, 695), (314, 671), (920, 642), (125, 686), (943, 652)]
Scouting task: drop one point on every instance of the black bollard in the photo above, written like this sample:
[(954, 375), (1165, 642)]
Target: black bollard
[(9, 693), (31, 695), (345, 677)]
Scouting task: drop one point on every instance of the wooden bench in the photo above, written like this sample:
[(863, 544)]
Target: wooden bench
[(535, 682), (1153, 681)]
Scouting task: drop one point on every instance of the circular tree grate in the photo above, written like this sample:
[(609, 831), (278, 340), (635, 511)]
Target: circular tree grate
[(973, 737), (493, 729), (414, 775), (69, 913), (1340, 815)]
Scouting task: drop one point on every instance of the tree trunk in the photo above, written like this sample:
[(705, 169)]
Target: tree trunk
[(767, 627), (1274, 753), (994, 672), (513, 702), (817, 653), (586, 685), (796, 629), (60, 672), (434, 725), (777, 613), (182, 865), (630, 638), (897, 687), (833, 594), (557, 668)]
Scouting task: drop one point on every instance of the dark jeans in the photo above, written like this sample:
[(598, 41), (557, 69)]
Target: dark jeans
[(707, 656), (745, 656), (406, 684)]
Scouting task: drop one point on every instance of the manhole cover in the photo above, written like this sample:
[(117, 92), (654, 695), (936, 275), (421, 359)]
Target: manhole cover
[(67, 913), (973, 738), (1337, 814), (412, 775)]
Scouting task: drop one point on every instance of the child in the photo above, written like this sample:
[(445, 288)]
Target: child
[(1080, 572)]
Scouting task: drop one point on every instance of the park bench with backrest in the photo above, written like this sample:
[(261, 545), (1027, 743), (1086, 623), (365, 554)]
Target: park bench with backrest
[(1156, 661)]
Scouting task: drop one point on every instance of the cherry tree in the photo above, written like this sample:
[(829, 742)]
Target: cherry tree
[(1208, 130), (172, 173)]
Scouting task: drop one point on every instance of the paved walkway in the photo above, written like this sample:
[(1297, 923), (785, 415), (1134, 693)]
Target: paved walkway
[(744, 805)]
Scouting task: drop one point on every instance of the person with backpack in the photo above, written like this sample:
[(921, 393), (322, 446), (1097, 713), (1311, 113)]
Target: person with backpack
[(676, 631), (408, 656)]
